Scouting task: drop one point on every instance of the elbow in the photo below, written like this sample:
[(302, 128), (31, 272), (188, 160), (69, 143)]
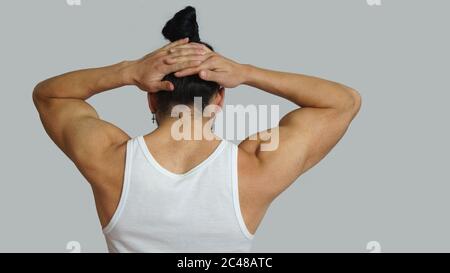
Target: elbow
[(35, 93), (356, 102), (352, 102), (38, 95)]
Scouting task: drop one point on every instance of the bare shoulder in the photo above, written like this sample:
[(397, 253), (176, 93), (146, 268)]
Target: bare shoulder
[(106, 165), (105, 174), (264, 159), (248, 166), (254, 198)]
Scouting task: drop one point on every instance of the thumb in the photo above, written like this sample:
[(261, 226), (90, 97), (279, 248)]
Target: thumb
[(209, 75), (162, 86)]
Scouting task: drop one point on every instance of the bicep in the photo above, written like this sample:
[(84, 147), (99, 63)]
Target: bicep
[(303, 138), (76, 129)]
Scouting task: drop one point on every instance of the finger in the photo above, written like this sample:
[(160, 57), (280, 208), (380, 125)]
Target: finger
[(186, 51), (162, 86), (180, 66), (189, 45), (180, 48), (183, 59), (202, 46), (209, 75), (207, 65), (176, 43), (188, 72)]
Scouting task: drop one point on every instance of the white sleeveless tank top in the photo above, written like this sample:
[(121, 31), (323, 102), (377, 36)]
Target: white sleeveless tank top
[(161, 211)]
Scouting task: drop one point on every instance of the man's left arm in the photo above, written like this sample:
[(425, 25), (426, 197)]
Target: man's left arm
[(75, 126), (70, 121)]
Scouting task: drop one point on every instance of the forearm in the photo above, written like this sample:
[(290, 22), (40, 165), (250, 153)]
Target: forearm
[(85, 83), (305, 91)]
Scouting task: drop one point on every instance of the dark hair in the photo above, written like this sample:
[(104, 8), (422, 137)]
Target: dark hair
[(184, 24)]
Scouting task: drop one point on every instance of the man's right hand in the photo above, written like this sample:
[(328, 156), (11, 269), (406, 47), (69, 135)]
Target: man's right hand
[(217, 68)]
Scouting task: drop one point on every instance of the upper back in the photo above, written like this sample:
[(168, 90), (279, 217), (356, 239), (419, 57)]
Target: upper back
[(163, 211)]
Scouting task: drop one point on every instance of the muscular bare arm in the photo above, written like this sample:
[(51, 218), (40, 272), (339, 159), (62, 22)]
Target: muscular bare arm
[(95, 146), (70, 121), (306, 134), (75, 126)]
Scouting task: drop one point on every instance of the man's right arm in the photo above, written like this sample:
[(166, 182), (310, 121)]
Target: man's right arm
[(305, 135)]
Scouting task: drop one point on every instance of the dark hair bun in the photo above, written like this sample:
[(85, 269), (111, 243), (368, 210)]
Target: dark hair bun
[(182, 25)]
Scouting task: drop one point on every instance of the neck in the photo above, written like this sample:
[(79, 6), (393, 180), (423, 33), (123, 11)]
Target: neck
[(186, 129)]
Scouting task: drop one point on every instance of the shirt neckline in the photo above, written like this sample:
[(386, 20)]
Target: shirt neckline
[(165, 171)]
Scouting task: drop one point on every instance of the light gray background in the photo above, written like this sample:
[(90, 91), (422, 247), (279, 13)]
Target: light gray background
[(387, 180)]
